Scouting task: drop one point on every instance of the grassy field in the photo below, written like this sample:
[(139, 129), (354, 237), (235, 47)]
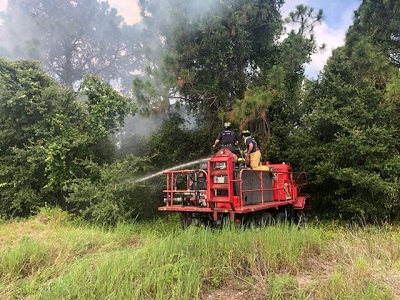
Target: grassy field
[(52, 257)]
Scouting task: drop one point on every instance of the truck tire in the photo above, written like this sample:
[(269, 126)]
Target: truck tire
[(266, 219), (186, 220), (280, 218), (300, 218)]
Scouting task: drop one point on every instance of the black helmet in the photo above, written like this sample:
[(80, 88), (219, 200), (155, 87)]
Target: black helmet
[(245, 133), (227, 125)]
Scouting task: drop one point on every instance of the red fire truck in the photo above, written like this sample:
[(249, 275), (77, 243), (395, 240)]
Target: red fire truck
[(224, 190)]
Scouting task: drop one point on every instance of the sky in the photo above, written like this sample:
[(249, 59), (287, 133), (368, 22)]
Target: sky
[(338, 16)]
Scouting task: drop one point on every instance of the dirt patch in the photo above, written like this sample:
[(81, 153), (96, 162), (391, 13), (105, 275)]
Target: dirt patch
[(234, 291)]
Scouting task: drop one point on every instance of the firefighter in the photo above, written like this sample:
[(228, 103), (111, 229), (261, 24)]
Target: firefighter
[(252, 152), (227, 139)]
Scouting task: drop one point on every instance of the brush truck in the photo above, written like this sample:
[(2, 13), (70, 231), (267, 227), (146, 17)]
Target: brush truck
[(221, 190)]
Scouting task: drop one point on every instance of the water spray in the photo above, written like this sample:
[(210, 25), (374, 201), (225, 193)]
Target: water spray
[(171, 169)]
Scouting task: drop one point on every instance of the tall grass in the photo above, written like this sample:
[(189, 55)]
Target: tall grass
[(63, 260)]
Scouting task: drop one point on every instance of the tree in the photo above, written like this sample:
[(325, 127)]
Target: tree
[(50, 136), (351, 129), (116, 197), (272, 107), (378, 22), (211, 51), (347, 141), (175, 143), (70, 39)]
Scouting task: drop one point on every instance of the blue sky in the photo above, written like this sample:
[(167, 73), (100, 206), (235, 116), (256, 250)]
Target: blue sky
[(338, 16), (336, 12)]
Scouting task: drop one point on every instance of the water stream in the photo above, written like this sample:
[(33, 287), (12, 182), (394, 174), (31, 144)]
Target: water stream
[(171, 169)]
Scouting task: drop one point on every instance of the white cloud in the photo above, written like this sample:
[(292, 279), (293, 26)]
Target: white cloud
[(128, 9), (3, 5), (331, 36)]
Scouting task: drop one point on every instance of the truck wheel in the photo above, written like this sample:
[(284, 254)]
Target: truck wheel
[(280, 218), (186, 220), (266, 219), (300, 218)]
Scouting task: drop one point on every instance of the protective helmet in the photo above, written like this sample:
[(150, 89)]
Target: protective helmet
[(227, 125), (245, 133)]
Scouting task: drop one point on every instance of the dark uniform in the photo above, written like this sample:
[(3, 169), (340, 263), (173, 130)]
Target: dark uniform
[(227, 138)]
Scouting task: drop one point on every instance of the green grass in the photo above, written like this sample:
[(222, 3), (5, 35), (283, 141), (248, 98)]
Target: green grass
[(53, 257)]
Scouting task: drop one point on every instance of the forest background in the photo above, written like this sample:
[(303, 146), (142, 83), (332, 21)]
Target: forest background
[(192, 66)]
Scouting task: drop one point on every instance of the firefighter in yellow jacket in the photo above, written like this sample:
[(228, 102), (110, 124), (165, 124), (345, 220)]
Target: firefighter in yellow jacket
[(252, 152)]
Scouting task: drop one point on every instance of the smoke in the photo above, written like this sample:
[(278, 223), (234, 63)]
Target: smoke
[(10, 28), (3, 5), (128, 9), (140, 125), (135, 134), (22, 22), (195, 9)]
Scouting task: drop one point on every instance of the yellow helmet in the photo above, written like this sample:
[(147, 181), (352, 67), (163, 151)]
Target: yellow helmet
[(245, 133), (227, 125)]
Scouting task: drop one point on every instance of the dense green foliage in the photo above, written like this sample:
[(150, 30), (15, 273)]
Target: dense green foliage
[(116, 197), (351, 146), (348, 140), (378, 22), (51, 136)]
